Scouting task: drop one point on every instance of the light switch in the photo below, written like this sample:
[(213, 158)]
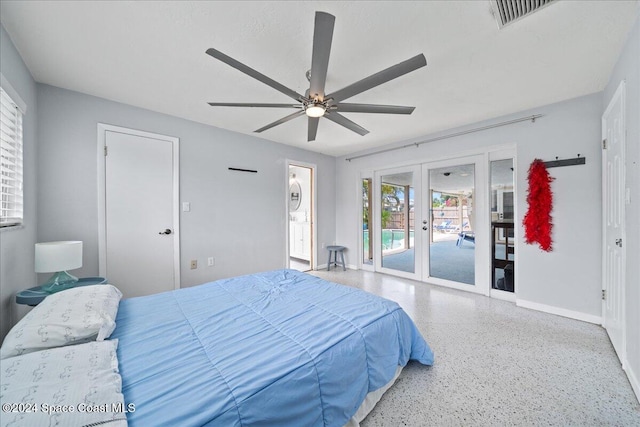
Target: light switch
[(186, 207)]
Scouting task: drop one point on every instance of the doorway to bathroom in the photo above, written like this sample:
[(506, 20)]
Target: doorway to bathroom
[(301, 214)]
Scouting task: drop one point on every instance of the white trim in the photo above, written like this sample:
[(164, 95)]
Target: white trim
[(454, 285), (320, 267), (577, 315), (102, 242), (313, 264), (502, 295), (13, 94), (633, 379)]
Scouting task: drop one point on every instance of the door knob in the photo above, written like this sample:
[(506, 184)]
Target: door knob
[(424, 221), (167, 231)]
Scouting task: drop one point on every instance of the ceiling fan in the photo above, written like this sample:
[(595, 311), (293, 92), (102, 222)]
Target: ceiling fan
[(315, 103)]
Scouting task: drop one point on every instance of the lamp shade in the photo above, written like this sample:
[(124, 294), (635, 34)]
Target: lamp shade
[(58, 256)]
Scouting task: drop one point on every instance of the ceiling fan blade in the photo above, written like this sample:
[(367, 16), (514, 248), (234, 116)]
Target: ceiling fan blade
[(253, 73), (371, 108), (379, 78), (313, 128), (343, 121), (281, 121), (322, 37), (243, 104)]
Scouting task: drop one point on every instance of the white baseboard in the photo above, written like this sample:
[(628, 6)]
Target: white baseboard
[(633, 379), (560, 311), (333, 267)]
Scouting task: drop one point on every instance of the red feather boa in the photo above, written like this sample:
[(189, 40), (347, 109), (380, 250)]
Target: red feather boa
[(537, 221)]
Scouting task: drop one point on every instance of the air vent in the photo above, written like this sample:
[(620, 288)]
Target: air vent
[(508, 11)]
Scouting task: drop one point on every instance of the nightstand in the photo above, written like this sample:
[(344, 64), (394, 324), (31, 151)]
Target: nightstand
[(34, 296)]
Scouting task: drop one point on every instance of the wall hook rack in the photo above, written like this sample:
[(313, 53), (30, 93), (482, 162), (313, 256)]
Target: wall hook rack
[(566, 162), (243, 170)]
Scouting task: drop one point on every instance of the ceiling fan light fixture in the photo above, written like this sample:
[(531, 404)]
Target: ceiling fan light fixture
[(315, 110), (316, 103)]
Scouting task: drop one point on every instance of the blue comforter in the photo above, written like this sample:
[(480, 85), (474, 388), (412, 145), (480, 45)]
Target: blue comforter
[(280, 348)]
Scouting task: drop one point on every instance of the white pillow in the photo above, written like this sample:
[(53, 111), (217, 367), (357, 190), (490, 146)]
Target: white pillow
[(68, 386), (72, 316)]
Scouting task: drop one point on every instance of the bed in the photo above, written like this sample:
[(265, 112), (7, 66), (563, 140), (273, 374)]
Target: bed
[(277, 348)]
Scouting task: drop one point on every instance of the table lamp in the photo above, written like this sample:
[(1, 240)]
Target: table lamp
[(58, 257)]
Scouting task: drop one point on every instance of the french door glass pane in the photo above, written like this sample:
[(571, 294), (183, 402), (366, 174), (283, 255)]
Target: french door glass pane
[(502, 227), (452, 242), (367, 211), (397, 220)]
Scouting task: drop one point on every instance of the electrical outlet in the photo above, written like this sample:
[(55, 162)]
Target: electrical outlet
[(322, 245), (186, 207), (211, 261), (194, 264)]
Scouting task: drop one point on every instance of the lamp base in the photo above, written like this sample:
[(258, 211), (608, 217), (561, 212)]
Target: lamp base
[(59, 282)]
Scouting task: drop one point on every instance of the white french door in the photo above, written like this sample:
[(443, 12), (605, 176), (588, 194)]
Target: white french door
[(613, 236), (454, 224), (139, 216), (396, 241)]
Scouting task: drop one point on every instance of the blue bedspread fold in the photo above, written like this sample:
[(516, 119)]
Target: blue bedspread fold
[(277, 348)]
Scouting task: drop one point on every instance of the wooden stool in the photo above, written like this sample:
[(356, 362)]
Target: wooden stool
[(335, 250)]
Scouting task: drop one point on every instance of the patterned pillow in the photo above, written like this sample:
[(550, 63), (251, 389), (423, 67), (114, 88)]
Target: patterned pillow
[(67, 386), (73, 316)]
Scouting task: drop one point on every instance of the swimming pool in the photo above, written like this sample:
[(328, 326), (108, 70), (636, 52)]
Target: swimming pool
[(391, 239)]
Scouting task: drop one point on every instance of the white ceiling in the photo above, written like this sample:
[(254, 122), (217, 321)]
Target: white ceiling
[(152, 55)]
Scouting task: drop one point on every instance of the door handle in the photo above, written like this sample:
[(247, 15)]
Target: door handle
[(424, 221), (167, 231), (425, 228), (619, 242)]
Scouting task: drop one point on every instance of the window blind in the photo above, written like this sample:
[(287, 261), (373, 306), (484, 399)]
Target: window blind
[(11, 206)]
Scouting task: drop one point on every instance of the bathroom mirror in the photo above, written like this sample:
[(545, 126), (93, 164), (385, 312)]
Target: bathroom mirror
[(295, 196)]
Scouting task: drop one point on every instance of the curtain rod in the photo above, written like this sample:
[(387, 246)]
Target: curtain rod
[(451, 135)]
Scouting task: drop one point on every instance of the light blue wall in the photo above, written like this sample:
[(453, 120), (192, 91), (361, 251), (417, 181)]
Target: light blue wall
[(628, 68), (17, 244), (240, 219), (566, 279)]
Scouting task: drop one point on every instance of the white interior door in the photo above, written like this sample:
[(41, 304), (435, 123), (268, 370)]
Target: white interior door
[(613, 203), (140, 245)]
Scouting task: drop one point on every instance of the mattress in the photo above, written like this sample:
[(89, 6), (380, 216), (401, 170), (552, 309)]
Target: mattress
[(277, 348)]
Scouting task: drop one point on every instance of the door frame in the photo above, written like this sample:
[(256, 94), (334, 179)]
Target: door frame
[(368, 174), (101, 192), (620, 96), (483, 223), (314, 212)]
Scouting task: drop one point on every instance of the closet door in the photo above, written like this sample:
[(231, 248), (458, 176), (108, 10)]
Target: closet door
[(139, 244)]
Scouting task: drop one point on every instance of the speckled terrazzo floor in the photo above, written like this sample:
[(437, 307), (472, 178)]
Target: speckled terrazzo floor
[(497, 364)]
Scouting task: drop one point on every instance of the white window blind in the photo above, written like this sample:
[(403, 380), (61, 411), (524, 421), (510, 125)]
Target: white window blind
[(11, 207)]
